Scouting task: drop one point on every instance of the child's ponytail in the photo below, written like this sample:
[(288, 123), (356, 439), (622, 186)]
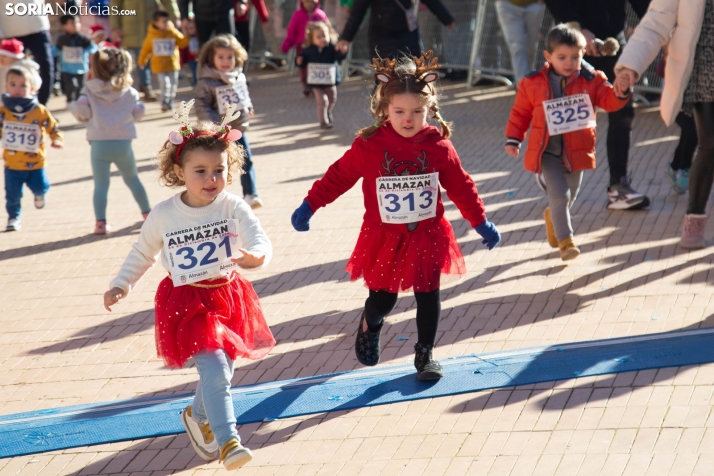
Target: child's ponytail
[(445, 126)]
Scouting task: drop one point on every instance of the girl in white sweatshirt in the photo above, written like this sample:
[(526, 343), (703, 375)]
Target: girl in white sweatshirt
[(205, 310)]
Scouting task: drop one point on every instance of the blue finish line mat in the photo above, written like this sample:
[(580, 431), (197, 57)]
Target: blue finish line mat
[(83, 425)]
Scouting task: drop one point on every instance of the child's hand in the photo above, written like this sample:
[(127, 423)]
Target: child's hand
[(249, 260), (298, 60), (251, 113), (512, 150), (113, 296), (57, 144)]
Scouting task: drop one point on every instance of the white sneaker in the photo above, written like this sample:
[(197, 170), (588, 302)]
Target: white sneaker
[(201, 436), (39, 201), (13, 224), (234, 455), (254, 201)]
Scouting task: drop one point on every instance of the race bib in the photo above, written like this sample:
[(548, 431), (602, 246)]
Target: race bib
[(236, 93), (569, 113), (193, 46), (21, 137), (319, 73), (408, 198), (72, 54), (201, 252), (164, 46)]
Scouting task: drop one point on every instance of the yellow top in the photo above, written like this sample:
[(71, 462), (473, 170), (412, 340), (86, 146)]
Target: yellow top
[(164, 63), (40, 116)]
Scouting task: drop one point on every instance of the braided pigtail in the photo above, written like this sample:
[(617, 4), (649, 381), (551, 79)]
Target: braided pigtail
[(445, 126)]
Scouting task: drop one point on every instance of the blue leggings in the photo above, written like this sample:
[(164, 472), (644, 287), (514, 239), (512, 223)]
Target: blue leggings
[(104, 153)]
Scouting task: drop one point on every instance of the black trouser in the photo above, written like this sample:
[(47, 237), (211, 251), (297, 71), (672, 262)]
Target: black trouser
[(688, 141), (243, 34), (406, 44), (619, 127), (41, 47), (72, 85), (702, 173), (381, 303), (206, 28)]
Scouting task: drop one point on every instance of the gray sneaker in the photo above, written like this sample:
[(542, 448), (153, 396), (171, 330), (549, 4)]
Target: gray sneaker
[(621, 196)]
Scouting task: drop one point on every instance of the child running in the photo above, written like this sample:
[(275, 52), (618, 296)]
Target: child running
[(73, 48), (559, 102), (23, 125), (162, 43), (309, 11), (111, 106), (205, 310), (320, 58), (405, 242), (221, 81)]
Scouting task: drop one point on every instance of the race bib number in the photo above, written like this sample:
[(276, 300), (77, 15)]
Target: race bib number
[(193, 46), (21, 137), (164, 46), (236, 93), (408, 198), (569, 113), (72, 54), (201, 252), (318, 73)]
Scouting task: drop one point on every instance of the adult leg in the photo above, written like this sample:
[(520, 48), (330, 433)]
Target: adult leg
[(688, 141), (41, 47), (243, 34), (204, 30), (533, 15), (513, 24), (225, 25), (248, 179), (702, 175), (321, 100), (216, 405), (14, 181), (101, 164), (123, 157)]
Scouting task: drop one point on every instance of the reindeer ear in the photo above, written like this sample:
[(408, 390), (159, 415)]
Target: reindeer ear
[(382, 77), (430, 77)]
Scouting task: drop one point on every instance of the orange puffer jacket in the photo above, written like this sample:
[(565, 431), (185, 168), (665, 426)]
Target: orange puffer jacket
[(578, 146)]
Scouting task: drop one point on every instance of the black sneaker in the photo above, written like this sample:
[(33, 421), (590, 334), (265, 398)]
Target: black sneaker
[(621, 196), (367, 345), (427, 367)]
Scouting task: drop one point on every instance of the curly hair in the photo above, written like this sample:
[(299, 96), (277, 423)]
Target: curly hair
[(114, 66), (167, 154), (405, 82), (312, 27), (228, 42)]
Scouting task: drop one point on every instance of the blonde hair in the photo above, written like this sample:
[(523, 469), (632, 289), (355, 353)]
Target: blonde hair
[(403, 82), (114, 66), (312, 27), (228, 42), (167, 154)]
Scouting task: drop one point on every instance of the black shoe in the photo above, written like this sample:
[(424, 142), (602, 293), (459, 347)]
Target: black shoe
[(427, 367), (367, 345)]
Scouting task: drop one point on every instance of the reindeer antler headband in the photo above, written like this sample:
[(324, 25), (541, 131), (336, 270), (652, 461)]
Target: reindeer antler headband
[(185, 134), (425, 66)]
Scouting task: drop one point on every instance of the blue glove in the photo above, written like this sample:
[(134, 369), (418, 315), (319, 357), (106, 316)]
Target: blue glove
[(489, 233), (301, 217)]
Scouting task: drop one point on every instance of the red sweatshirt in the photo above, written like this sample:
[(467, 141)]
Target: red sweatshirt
[(387, 153)]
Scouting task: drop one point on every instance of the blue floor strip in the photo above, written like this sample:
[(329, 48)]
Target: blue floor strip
[(83, 425)]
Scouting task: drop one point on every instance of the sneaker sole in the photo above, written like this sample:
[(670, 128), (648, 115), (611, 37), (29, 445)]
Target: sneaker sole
[(693, 246), (632, 204), (427, 376), (199, 451), (239, 461)]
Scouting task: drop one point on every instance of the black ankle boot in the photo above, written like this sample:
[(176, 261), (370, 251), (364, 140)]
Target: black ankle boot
[(427, 367), (367, 344)]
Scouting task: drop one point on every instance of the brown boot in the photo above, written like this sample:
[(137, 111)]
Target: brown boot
[(149, 95), (549, 230), (568, 250)]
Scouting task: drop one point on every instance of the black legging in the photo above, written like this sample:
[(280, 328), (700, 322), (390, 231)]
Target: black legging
[(381, 303), (702, 173), (684, 152)]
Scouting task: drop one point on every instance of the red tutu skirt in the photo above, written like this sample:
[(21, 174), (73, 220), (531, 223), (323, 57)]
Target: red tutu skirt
[(218, 314), (399, 261)]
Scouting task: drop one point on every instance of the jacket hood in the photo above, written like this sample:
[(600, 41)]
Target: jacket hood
[(19, 105), (302, 7), (206, 72), (104, 90)]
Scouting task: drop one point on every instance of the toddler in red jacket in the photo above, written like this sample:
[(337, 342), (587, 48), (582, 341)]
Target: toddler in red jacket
[(558, 103), (405, 241)]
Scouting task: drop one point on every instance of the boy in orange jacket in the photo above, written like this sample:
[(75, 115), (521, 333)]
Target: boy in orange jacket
[(558, 103)]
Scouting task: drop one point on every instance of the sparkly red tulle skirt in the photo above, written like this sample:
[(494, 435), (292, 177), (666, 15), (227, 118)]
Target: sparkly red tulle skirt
[(397, 260), (217, 314)]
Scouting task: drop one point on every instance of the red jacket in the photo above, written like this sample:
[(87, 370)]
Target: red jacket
[(387, 153), (578, 146)]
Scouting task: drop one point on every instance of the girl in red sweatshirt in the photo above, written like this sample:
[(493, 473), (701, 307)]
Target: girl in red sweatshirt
[(405, 241)]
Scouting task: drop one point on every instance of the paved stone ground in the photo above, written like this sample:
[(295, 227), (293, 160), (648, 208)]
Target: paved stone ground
[(58, 346)]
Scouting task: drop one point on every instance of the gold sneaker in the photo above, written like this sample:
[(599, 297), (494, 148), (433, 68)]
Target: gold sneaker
[(234, 455)]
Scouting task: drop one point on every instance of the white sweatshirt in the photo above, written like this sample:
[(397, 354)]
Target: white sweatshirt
[(172, 215)]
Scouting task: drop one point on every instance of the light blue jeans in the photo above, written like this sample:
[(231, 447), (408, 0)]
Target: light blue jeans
[(119, 152), (167, 84), (521, 29), (213, 402), (143, 73)]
